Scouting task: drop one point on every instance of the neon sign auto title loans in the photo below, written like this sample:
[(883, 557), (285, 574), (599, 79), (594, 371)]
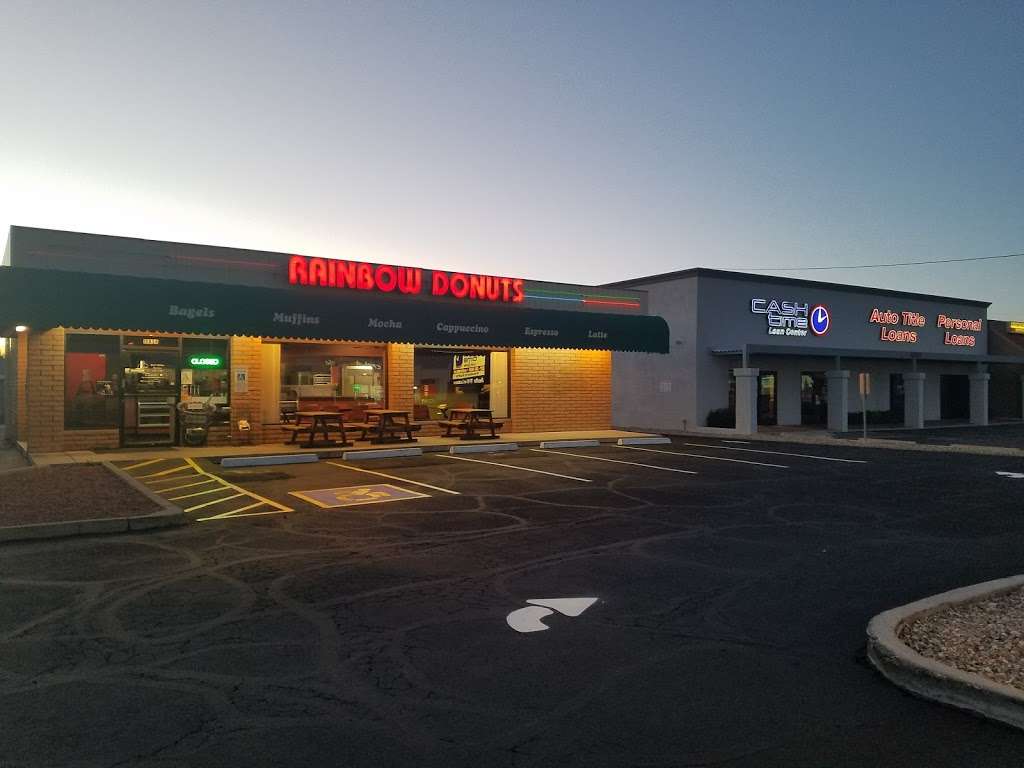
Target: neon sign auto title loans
[(360, 276), (888, 318)]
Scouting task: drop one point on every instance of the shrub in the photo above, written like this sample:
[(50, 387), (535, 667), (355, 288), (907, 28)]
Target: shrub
[(722, 417)]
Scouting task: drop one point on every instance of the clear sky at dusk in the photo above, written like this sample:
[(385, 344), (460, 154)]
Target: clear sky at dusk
[(581, 141)]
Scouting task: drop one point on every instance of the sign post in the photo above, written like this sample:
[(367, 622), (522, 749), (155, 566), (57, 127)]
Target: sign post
[(864, 381)]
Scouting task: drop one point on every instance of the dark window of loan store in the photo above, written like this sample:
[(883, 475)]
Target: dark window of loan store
[(767, 400), (91, 381), (459, 378)]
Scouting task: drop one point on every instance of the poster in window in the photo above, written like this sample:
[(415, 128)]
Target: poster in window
[(469, 369)]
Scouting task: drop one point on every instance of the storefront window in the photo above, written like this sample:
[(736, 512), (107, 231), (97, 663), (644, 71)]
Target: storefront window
[(331, 376), (470, 378), (204, 373), (91, 369)]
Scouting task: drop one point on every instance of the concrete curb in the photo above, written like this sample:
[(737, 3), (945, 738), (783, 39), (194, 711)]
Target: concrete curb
[(931, 679), (381, 453), (483, 448), (858, 442), (166, 516), (269, 461)]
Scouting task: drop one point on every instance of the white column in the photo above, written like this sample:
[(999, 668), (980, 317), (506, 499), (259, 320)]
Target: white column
[(787, 390), (838, 400), (979, 398), (746, 400), (913, 399)]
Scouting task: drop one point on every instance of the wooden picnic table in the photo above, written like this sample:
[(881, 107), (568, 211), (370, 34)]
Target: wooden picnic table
[(386, 425), (470, 420), (323, 422)]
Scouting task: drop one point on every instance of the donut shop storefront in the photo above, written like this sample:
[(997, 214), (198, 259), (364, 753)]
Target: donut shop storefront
[(107, 335)]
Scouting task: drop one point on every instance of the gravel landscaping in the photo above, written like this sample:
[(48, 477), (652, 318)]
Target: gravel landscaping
[(985, 637), (67, 492)]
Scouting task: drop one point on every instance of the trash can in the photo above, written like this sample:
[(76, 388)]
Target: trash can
[(194, 422)]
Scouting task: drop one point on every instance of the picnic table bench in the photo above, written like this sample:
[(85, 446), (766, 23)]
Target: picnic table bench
[(470, 421), (386, 426), (322, 422)]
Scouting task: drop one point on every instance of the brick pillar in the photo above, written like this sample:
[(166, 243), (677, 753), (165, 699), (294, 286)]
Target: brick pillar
[(44, 425), (20, 377), (400, 377), (246, 353)]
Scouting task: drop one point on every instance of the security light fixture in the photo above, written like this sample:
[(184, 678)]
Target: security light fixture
[(20, 328)]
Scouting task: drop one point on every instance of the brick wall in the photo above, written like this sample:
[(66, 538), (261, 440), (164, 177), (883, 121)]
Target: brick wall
[(88, 439), (245, 352), (20, 377), (558, 389), (399, 376), (45, 387)]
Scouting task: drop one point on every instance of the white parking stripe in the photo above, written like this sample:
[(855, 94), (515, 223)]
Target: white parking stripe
[(393, 477), (215, 501), (700, 456), (616, 461), (775, 453), (511, 466)]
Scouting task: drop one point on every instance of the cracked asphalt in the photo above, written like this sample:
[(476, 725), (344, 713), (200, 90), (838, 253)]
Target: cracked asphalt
[(729, 627)]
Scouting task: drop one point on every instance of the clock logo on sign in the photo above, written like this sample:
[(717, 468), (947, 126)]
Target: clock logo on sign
[(821, 321)]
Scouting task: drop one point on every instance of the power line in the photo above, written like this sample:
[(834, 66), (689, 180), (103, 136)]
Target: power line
[(875, 266)]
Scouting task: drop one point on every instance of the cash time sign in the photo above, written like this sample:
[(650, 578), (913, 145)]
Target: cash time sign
[(792, 318)]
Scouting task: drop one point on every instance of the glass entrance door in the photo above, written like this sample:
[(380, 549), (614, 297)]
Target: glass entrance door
[(813, 398), (767, 399), (150, 398)]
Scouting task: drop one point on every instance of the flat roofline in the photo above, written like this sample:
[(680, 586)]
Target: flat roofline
[(15, 228), (869, 354), (755, 278)]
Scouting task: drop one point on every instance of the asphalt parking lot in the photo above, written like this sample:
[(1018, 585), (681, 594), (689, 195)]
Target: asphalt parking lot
[(1009, 435), (733, 584)]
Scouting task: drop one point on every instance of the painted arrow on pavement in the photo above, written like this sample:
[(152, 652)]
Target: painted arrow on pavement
[(529, 619), (1014, 475)]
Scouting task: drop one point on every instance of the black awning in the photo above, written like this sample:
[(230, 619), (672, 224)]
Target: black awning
[(48, 298)]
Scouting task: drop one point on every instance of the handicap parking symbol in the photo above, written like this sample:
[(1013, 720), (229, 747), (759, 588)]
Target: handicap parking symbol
[(356, 495)]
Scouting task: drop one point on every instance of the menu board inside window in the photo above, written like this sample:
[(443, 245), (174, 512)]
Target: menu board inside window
[(469, 369)]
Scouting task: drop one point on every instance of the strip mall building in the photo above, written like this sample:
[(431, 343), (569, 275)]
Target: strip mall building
[(107, 335), (114, 332)]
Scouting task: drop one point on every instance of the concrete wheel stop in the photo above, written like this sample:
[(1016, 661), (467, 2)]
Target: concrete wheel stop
[(935, 680)]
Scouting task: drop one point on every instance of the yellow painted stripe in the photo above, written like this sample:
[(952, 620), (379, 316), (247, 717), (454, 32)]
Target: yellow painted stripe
[(174, 479), (142, 464), (182, 468), (215, 501), (187, 485), (199, 493), (222, 481), (232, 515), (234, 512)]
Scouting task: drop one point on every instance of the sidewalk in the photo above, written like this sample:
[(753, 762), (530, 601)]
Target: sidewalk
[(278, 449), (10, 457)]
